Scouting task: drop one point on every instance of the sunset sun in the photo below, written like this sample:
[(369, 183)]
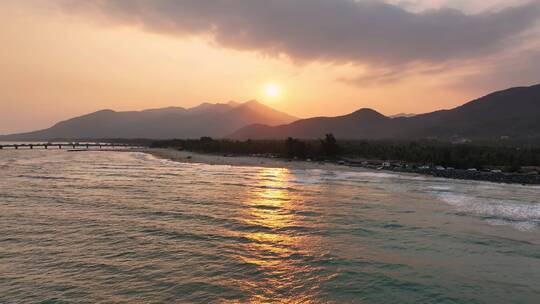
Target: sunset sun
[(272, 90)]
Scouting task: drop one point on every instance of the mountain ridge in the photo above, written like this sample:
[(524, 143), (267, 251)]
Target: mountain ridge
[(510, 113), (513, 112), (206, 119)]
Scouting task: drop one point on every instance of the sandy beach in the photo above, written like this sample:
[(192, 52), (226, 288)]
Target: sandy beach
[(252, 161)]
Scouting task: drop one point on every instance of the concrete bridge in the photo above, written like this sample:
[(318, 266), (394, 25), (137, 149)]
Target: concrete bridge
[(67, 146)]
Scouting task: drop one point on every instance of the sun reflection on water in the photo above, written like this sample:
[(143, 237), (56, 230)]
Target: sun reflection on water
[(269, 209), (276, 246)]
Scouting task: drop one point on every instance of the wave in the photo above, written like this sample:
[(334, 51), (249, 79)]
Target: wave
[(43, 177), (524, 216), (519, 225)]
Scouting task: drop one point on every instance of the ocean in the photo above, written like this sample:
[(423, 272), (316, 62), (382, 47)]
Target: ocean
[(125, 227)]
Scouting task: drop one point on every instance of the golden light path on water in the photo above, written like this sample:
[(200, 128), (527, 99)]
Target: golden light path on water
[(272, 206)]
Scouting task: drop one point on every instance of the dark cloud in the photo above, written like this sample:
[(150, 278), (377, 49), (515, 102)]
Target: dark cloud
[(367, 32), (394, 74), (517, 69)]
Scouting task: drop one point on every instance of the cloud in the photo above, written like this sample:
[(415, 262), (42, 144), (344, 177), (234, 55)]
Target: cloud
[(364, 32), (391, 75), (470, 6), (518, 68)]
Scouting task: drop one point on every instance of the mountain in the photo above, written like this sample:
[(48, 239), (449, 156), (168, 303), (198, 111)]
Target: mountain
[(215, 120), (402, 115), (364, 123), (512, 113)]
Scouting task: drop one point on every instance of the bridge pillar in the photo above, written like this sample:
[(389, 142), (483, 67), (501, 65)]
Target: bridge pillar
[(16, 147), (59, 146)]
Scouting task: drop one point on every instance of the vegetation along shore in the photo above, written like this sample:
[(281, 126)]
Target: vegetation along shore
[(487, 162)]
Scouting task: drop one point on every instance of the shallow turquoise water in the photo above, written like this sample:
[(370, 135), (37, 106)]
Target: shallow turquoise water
[(108, 227)]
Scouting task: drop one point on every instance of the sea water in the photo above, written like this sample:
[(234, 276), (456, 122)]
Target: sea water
[(107, 227)]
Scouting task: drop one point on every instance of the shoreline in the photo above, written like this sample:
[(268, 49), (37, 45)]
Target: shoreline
[(246, 161), (343, 165)]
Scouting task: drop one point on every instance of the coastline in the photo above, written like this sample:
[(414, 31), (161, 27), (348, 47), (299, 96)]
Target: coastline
[(259, 161), (247, 161), (348, 165)]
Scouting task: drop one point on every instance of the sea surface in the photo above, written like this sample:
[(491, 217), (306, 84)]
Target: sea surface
[(125, 227)]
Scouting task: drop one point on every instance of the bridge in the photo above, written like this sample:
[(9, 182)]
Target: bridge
[(67, 146)]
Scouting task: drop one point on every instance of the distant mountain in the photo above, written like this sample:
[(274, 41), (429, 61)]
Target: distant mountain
[(215, 120), (402, 115), (512, 113), (364, 123)]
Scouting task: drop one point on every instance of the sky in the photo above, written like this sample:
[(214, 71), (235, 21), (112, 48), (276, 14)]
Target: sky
[(63, 58)]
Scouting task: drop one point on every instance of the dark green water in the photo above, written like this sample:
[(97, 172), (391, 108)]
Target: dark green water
[(103, 227)]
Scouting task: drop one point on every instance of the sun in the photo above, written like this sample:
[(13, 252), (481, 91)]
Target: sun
[(272, 90)]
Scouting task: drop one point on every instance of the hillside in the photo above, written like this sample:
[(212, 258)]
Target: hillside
[(512, 113), (215, 120)]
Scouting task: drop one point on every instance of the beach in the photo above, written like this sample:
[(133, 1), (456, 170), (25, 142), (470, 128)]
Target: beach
[(246, 161), (344, 165)]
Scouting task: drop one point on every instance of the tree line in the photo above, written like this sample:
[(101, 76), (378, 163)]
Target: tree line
[(417, 152), (326, 148)]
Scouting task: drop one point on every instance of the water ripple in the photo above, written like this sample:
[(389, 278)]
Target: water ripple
[(103, 227)]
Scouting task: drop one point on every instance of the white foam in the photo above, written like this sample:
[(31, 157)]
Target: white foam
[(521, 226), (141, 156), (523, 216)]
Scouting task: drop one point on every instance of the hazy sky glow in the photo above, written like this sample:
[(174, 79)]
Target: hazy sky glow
[(61, 58)]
